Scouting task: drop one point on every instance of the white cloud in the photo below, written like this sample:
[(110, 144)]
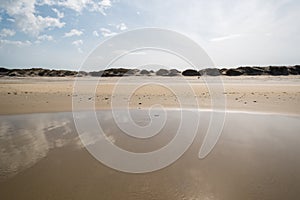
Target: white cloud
[(101, 6), (26, 19), (121, 27), (45, 37), (79, 5), (107, 33), (73, 32), (95, 33), (46, 2), (0, 19), (10, 19), (7, 32), (76, 5), (227, 37), (106, 3), (78, 44), (15, 42), (59, 14)]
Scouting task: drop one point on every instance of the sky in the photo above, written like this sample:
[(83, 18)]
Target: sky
[(60, 34)]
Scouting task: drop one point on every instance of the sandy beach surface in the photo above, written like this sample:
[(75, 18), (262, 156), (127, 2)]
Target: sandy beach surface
[(258, 93), (42, 157), (256, 156)]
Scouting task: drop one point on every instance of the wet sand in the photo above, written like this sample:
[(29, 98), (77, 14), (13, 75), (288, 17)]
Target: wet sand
[(256, 157), (260, 93)]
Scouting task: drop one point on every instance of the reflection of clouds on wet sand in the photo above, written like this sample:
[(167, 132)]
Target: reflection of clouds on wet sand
[(26, 140), (255, 158), (87, 138), (21, 149)]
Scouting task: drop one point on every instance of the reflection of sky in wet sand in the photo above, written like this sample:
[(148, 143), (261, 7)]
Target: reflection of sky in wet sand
[(25, 139), (255, 158)]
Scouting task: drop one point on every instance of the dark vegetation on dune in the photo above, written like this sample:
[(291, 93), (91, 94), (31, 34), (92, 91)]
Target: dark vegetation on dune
[(240, 71)]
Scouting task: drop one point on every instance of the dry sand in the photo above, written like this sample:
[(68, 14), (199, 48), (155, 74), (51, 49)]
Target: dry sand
[(260, 93)]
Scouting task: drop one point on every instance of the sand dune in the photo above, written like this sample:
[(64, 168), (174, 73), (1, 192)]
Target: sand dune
[(113, 72)]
